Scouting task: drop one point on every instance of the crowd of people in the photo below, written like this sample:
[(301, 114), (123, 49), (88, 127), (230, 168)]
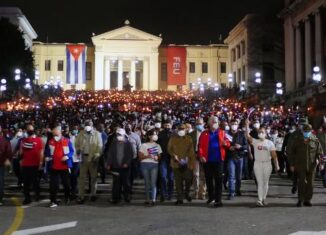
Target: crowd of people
[(182, 144)]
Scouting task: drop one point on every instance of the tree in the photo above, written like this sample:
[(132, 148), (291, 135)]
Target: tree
[(14, 54)]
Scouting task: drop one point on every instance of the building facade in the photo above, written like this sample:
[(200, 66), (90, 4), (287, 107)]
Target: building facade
[(16, 17), (255, 46), (128, 56)]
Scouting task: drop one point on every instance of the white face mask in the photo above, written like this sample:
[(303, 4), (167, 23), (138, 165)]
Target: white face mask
[(120, 138), (292, 130), (215, 126), (181, 133), (19, 134), (57, 138), (154, 138), (227, 128), (257, 125), (190, 130), (234, 127), (88, 128), (158, 125), (262, 136)]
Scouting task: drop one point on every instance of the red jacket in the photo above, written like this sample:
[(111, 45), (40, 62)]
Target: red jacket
[(204, 143), (5, 150), (59, 149)]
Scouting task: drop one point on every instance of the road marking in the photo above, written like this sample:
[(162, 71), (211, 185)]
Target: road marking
[(36, 203), (18, 217), (46, 228), (308, 233)]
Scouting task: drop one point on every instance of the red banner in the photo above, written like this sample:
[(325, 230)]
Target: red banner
[(177, 69)]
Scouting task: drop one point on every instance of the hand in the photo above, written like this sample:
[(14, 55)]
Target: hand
[(321, 167), (155, 158), (175, 157), (202, 160), (232, 148), (292, 168), (237, 146), (7, 162), (124, 166), (65, 158), (247, 122), (47, 159)]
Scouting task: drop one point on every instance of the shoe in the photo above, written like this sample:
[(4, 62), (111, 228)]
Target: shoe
[(127, 200), (73, 197), (114, 202), (239, 194), (93, 198), (152, 203), (259, 203), (162, 199), (209, 201), (147, 202), (218, 204), (265, 203), (53, 205), (231, 197), (307, 203), (225, 187), (67, 201), (178, 202), (188, 198), (299, 204), (80, 201), (294, 190), (169, 198), (26, 201)]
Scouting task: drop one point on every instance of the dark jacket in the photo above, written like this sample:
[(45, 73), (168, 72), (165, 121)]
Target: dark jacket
[(163, 140), (112, 154), (5, 150), (239, 138)]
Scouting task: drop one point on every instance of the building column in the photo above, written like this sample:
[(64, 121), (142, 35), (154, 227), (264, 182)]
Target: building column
[(289, 34), (145, 74), (107, 81), (133, 75), (308, 63), (153, 72), (120, 73), (99, 69), (298, 56), (318, 38)]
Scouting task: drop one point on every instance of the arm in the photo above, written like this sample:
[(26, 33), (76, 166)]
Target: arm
[(200, 149), (274, 157), (249, 138)]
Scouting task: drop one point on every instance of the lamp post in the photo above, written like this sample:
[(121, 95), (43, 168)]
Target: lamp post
[(258, 82), (243, 88), (230, 79), (316, 76), (37, 76), (17, 74), (279, 88), (3, 86)]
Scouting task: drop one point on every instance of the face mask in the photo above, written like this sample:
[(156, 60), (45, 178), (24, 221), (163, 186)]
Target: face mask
[(262, 136), (57, 138), (257, 125), (215, 126), (157, 125), (19, 134), (88, 128), (227, 128), (75, 132), (120, 138), (181, 133), (154, 138), (200, 127), (306, 134), (29, 133), (190, 130), (268, 131), (234, 127)]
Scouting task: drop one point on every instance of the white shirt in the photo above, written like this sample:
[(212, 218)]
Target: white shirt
[(279, 143), (150, 148), (263, 149)]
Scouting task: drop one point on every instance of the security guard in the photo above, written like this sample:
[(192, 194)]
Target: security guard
[(305, 151)]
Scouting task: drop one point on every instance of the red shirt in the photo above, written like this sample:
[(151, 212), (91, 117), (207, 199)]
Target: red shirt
[(31, 148), (58, 154)]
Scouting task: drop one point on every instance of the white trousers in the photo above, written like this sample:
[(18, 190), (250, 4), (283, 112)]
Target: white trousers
[(263, 171)]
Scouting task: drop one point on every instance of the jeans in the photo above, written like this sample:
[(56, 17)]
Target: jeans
[(121, 181), (2, 182), (245, 169), (235, 173), (31, 177), (74, 178), (263, 171), (150, 171), (214, 180), (167, 178), (55, 177)]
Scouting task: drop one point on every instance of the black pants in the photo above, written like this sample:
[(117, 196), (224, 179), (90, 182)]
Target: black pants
[(102, 169), (121, 182), (214, 180), (30, 177), (55, 177), (17, 170), (134, 172)]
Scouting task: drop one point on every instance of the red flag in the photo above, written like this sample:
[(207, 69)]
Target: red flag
[(176, 65)]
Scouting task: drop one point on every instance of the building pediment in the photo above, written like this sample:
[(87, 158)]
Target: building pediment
[(126, 33)]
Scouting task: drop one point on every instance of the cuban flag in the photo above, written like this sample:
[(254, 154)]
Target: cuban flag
[(153, 151), (76, 64)]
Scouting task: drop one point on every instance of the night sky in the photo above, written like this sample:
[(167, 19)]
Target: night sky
[(189, 22)]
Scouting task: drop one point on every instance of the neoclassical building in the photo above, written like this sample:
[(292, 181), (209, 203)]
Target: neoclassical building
[(129, 56)]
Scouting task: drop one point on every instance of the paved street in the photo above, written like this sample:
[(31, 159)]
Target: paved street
[(236, 217)]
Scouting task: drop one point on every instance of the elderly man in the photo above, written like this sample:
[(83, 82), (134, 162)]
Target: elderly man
[(211, 150), (306, 152), (88, 144), (181, 150)]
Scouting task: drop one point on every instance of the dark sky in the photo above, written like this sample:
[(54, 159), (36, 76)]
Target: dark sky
[(191, 22)]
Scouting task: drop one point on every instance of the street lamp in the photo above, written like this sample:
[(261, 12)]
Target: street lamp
[(209, 80), (17, 74), (230, 79), (37, 76), (316, 76), (279, 88), (243, 86), (258, 78), (216, 88), (3, 85)]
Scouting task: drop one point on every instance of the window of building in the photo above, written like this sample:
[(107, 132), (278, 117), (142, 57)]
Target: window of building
[(243, 46), (192, 67), (88, 70), (239, 76), (164, 71), (238, 52), (204, 67), (235, 77), (223, 67), (60, 65), (233, 55), (47, 65), (244, 73)]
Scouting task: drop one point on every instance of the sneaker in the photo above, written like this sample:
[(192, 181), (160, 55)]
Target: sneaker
[(188, 198), (294, 190), (93, 198), (259, 203), (231, 197), (67, 201), (80, 200), (152, 203), (218, 204), (209, 201), (53, 205), (299, 204), (307, 203), (239, 194), (178, 202), (265, 203)]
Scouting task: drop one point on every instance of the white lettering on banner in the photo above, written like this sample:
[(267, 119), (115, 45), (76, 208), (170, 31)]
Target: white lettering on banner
[(176, 65)]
